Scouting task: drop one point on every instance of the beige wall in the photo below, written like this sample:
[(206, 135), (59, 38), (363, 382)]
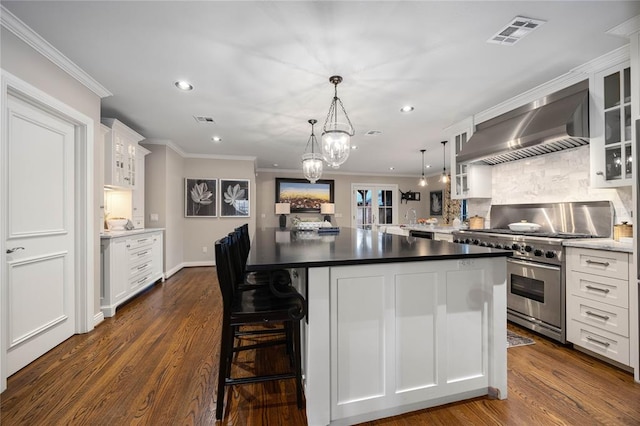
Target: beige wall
[(266, 182), (25, 63)]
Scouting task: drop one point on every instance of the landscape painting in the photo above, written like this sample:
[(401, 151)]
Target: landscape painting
[(304, 197)]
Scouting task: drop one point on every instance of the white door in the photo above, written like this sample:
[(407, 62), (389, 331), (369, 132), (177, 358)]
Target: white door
[(38, 308), (373, 205)]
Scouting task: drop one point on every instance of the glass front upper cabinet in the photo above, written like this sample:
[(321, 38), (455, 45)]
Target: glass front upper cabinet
[(615, 166)]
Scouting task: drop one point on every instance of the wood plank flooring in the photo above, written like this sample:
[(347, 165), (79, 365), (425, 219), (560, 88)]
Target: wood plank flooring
[(155, 363)]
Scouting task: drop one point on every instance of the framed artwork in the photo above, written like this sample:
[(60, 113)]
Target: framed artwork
[(234, 198), (200, 197), (435, 203), (304, 197)]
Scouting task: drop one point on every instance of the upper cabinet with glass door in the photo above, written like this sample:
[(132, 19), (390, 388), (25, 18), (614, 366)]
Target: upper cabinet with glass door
[(120, 152), (467, 180), (611, 128)]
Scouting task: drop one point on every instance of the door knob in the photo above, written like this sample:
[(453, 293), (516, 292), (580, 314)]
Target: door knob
[(11, 250)]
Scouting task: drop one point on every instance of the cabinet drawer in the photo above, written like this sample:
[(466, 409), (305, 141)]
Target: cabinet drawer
[(599, 341), (597, 314), (139, 280), (141, 254), (142, 241), (599, 288), (598, 262), (140, 268)]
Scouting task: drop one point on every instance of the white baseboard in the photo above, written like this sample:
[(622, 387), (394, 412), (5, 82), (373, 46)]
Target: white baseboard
[(98, 318), (177, 268)]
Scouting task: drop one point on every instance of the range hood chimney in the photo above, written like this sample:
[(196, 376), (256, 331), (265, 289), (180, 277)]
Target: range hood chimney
[(556, 122)]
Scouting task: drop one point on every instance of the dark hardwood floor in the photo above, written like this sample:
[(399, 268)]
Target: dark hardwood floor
[(155, 363)]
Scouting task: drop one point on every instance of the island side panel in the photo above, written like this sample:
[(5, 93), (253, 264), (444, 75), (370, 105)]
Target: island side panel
[(317, 374), (389, 346)]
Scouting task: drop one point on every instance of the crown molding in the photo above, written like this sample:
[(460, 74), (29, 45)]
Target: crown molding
[(183, 154), (21, 30), (627, 28)]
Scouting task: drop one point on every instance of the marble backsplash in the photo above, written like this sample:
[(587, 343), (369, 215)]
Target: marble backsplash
[(551, 178)]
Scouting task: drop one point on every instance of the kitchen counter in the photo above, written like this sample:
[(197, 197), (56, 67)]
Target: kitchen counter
[(275, 248), (600, 244), (118, 234), (394, 324)]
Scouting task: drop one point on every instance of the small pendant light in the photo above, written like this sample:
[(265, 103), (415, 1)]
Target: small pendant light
[(312, 161), (444, 178), (423, 180)]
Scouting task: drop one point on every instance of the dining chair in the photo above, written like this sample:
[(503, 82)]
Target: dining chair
[(280, 305)]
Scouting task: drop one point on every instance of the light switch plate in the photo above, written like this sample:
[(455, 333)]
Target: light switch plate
[(153, 217)]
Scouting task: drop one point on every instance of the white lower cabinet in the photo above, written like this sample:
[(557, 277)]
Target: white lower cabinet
[(130, 263), (598, 302)]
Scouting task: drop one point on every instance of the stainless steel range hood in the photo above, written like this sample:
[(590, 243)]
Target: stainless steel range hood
[(556, 122)]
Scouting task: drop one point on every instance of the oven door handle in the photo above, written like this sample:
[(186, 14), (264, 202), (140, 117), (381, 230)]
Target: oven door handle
[(533, 264)]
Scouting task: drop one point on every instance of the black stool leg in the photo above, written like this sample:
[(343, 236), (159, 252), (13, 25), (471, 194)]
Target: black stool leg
[(226, 351), (298, 361)]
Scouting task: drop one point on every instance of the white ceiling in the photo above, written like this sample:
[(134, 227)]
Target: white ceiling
[(261, 69)]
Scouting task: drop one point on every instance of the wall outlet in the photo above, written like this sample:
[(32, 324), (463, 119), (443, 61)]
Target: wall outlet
[(204, 249), (263, 215), (153, 217)]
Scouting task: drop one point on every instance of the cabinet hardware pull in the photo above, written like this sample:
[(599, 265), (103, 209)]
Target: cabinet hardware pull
[(595, 262), (142, 266), (593, 314), (142, 280), (600, 173), (604, 290), (142, 253), (142, 241), (11, 250), (605, 344)]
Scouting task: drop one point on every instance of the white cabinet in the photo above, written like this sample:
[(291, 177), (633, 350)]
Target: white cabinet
[(137, 194), (467, 180), (598, 308), (120, 154), (611, 127), (130, 263)]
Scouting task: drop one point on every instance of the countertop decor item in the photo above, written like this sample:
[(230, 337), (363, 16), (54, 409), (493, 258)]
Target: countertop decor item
[(524, 226), (283, 209), (117, 223), (622, 230), (476, 222)]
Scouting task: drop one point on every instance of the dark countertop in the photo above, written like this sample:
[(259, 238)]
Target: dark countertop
[(272, 247)]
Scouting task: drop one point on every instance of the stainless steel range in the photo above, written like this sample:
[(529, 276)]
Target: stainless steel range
[(536, 273)]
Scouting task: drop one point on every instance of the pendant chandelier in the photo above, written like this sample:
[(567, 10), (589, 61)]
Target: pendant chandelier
[(336, 135), (423, 180), (312, 161), (444, 178)]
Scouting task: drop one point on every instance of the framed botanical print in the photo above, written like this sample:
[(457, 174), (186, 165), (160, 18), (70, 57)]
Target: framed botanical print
[(234, 198), (304, 197), (200, 197)]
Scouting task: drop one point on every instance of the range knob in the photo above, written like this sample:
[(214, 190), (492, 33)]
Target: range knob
[(476, 242), (537, 252), (456, 240), (528, 248), (483, 244), (499, 246), (491, 245), (515, 246), (550, 254), (467, 241)]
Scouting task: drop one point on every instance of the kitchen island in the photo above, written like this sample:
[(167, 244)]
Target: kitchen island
[(394, 324)]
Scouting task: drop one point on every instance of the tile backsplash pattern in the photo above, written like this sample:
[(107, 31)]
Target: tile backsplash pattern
[(550, 178)]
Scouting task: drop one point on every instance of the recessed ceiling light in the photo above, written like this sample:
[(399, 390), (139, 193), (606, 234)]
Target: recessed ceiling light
[(275, 164), (392, 168), (354, 147), (406, 108), (515, 30), (428, 166), (183, 85), (216, 139)]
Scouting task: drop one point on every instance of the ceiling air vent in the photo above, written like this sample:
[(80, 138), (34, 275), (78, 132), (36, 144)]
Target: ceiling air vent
[(515, 30), (373, 133), (204, 119)]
